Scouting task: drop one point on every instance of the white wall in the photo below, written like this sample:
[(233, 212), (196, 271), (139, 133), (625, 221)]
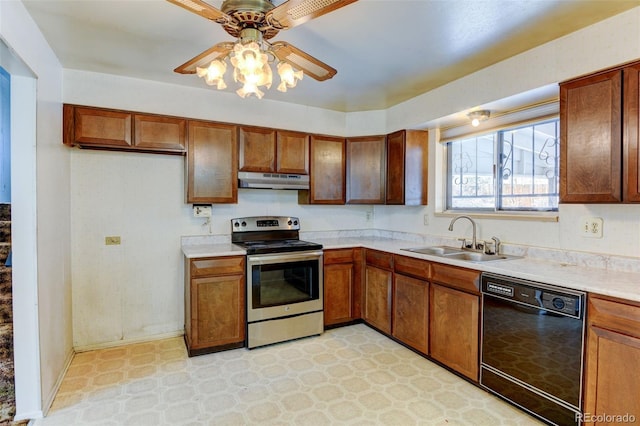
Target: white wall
[(134, 291), (40, 228)]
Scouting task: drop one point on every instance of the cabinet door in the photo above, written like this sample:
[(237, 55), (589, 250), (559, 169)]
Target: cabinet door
[(613, 350), (257, 149), (292, 154), (411, 312), (101, 128), (454, 328), (631, 134), (158, 133), (338, 293), (212, 163), (377, 298), (366, 170), (591, 139), (395, 168), (327, 171), (218, 310)]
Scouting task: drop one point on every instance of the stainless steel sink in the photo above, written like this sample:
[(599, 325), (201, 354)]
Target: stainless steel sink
[(435, 250), (460, 254)]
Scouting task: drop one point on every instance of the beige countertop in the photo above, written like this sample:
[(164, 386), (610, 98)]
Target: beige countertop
[(625, 285)]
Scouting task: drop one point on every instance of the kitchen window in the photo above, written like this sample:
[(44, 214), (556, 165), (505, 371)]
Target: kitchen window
[(511, 169)]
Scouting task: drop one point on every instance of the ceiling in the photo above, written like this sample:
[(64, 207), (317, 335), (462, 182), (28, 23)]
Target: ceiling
[(385, 51)]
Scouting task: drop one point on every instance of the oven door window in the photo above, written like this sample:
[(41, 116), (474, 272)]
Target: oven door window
[(284, 283)]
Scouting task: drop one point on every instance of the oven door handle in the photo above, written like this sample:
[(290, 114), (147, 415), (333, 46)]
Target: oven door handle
[(289, 256)]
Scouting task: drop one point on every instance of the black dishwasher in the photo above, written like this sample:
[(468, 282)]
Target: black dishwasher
[(532, 346)]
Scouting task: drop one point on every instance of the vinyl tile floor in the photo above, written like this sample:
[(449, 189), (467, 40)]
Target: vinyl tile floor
[(347, 376)]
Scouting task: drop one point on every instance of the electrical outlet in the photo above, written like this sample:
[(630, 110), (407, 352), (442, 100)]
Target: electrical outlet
[(112, 241), (369, 215), (592, 227), (201, 210), (425, 219)]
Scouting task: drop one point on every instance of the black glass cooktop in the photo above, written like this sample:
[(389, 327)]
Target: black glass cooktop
[(277, 246)]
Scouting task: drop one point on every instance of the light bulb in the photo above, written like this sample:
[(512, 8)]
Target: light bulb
[(475, 122)]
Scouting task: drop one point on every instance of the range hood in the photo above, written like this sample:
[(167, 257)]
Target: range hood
[(272, 180)]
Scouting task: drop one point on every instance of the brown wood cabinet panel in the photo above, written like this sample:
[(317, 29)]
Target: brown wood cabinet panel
[(338, 256), (463, 279), (207, 266), (377, 298), (212, 163), (412, 267), (366, 170), (160, 133), (327, 171), (613, 350), (338, 293), (101, 128), (411, 312), (214, 304), (219, 310), (257, 149), (380, 259), (454, 329), (292, 154), (407, 167), (631, 134), (591, 139)]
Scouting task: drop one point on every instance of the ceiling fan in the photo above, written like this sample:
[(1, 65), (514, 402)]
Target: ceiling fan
[(253, 23)]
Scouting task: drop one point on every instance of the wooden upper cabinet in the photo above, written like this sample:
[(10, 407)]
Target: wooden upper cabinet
[(101, 128), (407, 167), (97, 127), (327, 171), (631, 134), (292, 152), (366, 170), (159, 133), (591, 139), (212, 163), (257, 149)]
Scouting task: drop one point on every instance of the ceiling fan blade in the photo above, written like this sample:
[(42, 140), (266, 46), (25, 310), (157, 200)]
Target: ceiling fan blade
[(296, 12), (206, 10), (220, 50), (298, 59)]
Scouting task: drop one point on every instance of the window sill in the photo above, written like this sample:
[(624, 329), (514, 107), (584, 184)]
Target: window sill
[(526, 216)]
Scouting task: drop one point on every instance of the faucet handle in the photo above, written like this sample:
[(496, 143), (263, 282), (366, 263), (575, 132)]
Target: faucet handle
[(497, 242), (464, 242)]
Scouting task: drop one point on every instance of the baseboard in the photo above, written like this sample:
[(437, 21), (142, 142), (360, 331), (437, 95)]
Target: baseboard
[(125, 342), (31, 416), (49, 401)]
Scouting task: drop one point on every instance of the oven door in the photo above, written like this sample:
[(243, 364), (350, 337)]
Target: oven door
[(284, 284)]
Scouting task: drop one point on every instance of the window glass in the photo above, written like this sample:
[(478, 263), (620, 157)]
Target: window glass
[(526, 160)]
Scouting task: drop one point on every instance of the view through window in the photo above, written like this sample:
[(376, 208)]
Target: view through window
[(511, 169)]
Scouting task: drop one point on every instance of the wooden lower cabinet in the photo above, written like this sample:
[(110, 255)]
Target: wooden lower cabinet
[(342, 289), (377, 298), (454, 327), (214, 304), (612, 360), (411, 312)]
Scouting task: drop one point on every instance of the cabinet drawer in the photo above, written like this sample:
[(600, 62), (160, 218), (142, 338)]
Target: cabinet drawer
[(413, 267), (621, 316), (460, 278), (379, 259), (217, 266), (338, 256)]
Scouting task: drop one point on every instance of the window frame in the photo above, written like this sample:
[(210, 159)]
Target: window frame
[(498, 208)]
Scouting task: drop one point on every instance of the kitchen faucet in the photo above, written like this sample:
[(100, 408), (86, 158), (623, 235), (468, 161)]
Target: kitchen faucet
[(474, 245)]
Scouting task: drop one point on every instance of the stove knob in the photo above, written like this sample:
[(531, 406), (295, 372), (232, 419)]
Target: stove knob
[(295, 222), (289, 223), (236, 224), (244, 223)]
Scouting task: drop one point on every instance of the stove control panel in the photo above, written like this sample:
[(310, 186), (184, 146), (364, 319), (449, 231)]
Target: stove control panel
[(265, 223)]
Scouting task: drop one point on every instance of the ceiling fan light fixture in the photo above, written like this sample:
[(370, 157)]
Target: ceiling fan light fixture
[(288, 76), (477, 116), (214, 74)]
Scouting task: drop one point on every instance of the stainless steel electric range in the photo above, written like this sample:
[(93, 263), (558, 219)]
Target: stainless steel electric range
[(284, 279)]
